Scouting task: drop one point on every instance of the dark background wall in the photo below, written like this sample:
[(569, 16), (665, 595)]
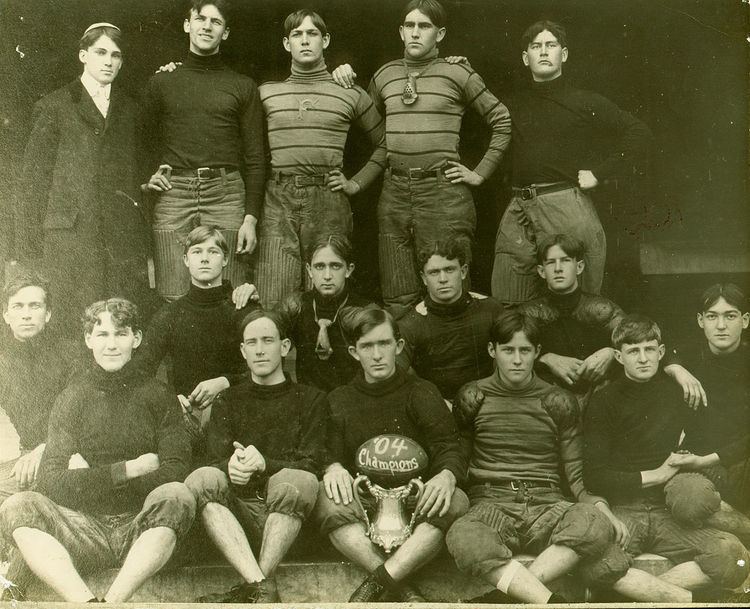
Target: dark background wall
[(678, 65)]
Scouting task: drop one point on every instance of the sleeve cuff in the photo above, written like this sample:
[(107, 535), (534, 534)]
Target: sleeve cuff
[(117, 471)]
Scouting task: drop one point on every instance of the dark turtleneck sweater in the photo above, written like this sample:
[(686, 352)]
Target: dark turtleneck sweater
[(110, 418), (340, 367), (559, 130), (631, 427), (446, 344), (200, 333), (32, 374), (287, 423), (402, 404), (206, 115), (426, 133), (308, 118)]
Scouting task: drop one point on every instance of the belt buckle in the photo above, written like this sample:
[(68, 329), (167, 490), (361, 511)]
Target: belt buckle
[(514, 485), (527, 193), (415, 173), (299, 181), (201, 170)]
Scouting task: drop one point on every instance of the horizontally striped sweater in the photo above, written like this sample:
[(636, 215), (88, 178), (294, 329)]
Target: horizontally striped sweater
[(308, 117), (426, 133)]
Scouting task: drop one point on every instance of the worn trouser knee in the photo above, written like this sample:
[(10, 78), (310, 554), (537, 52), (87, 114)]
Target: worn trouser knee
[(725, 560), (292, 492), (584, 529), (208, 485), (691, 498), (25, 509), (170, 505), (604, 570)]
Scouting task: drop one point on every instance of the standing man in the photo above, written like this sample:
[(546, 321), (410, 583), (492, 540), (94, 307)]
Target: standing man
[(308, 118), (557, 160), (207, 129), (425, 193)]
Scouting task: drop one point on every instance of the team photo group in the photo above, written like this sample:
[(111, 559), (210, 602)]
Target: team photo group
[(189, 366)]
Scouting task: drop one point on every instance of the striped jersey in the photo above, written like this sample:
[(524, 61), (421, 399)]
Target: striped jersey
[(308, 118), (425, 134)]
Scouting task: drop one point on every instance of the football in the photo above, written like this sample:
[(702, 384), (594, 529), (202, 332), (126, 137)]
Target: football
[(391, 460)]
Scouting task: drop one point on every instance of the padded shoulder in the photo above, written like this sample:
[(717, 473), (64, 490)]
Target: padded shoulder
[(562, 406)]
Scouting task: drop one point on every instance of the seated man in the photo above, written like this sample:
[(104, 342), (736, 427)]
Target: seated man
[(266, 441), (632, 426), (382, 400), (445, 335), (322, 357), (34, 369), (520, 439), (198, 331), (575, 327), (110, 486)]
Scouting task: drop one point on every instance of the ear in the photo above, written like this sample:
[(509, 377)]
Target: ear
[(525, 58), (618, 355), (138, 339), (185, 259), (286, 346), (662, 351), (349, 270), (540, 271), (538, 351), (186, 26), (399, 346), (5, 316), (309, 270), (242, 350), (87, 339), (564, 54), (48, 316), (491, 349), (700, 320), (464, 271), (225, 35), (225, 261), (353, 352), (326, 41), (440, 34), (285, 43), (745, 320), (401, 32), (580, 264), (424, 278), (82, 56)]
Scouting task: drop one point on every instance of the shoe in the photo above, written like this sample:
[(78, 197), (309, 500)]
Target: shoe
[(267, 592), (409, 593), (369, 591), (241, 593), (494, 597)]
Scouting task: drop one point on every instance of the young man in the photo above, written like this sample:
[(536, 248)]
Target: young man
[(110, 488), (632, 428), (198, 331), (555, 165), (523, 438), (575, 326), (34, 369), (425, 193), (207, 132), (323, 359), (266, 443), (383, 399), (308, 118), (445, 335)]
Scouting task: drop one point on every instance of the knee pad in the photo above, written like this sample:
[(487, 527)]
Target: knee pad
[(725, 560), (476, 546), (603, 571), (584, 529), (691, 498), (208, 485)]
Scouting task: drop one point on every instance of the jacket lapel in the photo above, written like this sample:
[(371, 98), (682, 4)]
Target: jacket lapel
[(85, 106)]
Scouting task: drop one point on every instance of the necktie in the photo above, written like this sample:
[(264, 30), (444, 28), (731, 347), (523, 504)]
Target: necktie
[(101, 100), (323, 347)]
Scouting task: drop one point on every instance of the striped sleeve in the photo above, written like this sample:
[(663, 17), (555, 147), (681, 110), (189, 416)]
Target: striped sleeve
[(369, 120)]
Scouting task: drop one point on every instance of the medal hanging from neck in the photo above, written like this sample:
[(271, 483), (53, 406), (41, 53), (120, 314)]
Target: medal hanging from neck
[(409, 94)]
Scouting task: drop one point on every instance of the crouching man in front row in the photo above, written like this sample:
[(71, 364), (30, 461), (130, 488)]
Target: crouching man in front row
[(109, 490)]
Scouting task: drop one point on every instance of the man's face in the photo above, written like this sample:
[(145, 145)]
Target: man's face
[(263, 348), (102, 60), (723, 325), (376, 352), (306, 43), (640, 361), (419, 34), (514, 360), (27, 312), (207, 29), (560, 271), (544, 56), (112, 345), (444, 278), (205, 261), (329, 272)]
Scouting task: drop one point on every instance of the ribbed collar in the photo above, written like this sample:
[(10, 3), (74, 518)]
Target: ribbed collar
[(421, 63), (23, 349), (565, 303), (318, 74), (209, 297), (549, 86), (268, 392), (495, 386), (204, 62), (109, 382), (642, 391), (452, 309), (379, 388)]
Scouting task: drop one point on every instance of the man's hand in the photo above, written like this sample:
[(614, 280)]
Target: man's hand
[(660, 475), (622, 534), (337, 181), (26, 468), (456, 59), (586, 180), (239, 471), (77, 462), (252, 458), (145, 464), (246, 238), (692, 390), (205, 392), (438, 491), (338, 484), (344, 76), (689, 461), (159, 182), (243, 294), (458, 173), (596, 365), (170, 67), (567, 369)]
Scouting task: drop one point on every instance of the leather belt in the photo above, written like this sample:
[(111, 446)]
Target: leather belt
[(203, 173), (317, 179), (517, 485), (531, 191), (417, 173)]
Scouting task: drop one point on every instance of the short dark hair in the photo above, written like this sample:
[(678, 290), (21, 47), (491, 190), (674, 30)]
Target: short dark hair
[(203, 233), (505, 326), (340, 245), (451, 248), (432, 8), (90, 37), (293, 20), (25, 279), (570, 245), (358, 321), (124, 314), (557, 30), (728, 291), (279, 319), (635, 328), (223, 6)]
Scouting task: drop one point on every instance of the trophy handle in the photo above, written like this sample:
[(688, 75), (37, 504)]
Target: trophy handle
[(355, 488), (420, 490)]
